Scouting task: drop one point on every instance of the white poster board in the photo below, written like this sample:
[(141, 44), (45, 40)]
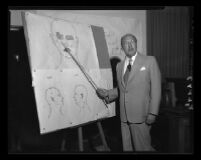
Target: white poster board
[(114, 27), (64, 96)]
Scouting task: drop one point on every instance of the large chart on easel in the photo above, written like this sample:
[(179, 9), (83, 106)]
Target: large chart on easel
[(64, 96)]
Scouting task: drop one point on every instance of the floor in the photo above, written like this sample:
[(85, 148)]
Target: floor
[(66, 141), (28, 140)]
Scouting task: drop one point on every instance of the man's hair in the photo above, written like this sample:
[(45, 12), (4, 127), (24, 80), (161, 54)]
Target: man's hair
[(128, 35)]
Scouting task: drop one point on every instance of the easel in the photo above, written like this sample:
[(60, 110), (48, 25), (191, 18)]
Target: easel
[(80, 133), (80, 138)]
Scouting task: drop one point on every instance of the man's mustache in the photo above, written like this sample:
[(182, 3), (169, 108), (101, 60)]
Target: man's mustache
[(130, 49)]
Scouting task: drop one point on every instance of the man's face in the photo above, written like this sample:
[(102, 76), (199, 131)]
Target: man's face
[(129, 46)]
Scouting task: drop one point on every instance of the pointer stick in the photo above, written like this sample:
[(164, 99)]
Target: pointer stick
[(83, 70)]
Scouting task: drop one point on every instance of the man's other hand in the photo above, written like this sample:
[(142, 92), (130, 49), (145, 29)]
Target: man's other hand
[(150, 119)]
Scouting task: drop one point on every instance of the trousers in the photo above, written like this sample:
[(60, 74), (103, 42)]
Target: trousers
[(136, 137)]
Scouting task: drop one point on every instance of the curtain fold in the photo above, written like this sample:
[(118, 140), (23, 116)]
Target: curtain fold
[(168, 40)]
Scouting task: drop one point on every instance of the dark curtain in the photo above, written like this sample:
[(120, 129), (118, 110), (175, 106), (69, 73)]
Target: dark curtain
[(168, 40)]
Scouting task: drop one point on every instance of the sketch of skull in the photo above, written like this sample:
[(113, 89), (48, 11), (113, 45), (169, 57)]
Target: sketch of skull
[(65, 33), (54, 100), (80, 96), (70, 42)]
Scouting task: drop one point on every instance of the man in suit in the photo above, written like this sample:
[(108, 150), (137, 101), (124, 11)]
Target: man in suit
[(139, 90)]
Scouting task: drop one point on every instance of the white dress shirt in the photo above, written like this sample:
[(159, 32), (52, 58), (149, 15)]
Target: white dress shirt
[(127, 61)]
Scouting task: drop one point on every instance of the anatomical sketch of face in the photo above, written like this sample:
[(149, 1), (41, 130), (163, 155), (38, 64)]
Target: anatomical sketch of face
[(80, 96), (65, 34), (70, 42), (54, 100)]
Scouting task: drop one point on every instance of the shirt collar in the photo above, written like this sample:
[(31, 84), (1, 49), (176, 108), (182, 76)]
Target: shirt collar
[(132, 58)]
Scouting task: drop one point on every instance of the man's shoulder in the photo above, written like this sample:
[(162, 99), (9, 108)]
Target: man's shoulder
[(147, 57)]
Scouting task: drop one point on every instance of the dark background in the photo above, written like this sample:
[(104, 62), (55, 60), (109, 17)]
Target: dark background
[(175, 62)]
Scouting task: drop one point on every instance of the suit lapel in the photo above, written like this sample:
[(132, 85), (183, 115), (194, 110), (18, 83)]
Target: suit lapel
[(135, 67), (122, 73)]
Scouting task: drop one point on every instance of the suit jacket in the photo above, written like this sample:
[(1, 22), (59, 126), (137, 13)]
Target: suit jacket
[(141, 95)]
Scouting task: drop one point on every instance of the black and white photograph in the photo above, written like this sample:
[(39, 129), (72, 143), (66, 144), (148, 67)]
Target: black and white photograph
[(101, 81)]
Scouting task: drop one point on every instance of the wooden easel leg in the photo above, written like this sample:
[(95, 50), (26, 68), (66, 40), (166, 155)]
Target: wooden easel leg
[(63, 143), (102, 136), (80, 139)]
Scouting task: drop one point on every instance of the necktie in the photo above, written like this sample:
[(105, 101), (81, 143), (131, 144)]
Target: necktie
[(128, 69)]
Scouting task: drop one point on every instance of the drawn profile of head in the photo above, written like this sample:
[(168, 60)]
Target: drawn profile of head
[(54, 100), (80, 96), (54, 97)]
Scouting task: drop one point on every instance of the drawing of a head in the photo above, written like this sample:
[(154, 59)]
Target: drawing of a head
[(53, 97), (65, 32), (80, 95), (71, 42)]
